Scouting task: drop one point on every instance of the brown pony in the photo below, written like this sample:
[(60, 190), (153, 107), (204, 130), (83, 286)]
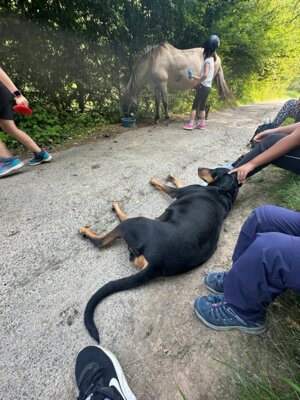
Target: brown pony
[(165, 67)]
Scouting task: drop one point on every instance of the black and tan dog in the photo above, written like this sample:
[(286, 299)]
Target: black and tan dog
[(182, 238)]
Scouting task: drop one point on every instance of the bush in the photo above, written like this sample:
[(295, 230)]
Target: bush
[(49, 127)]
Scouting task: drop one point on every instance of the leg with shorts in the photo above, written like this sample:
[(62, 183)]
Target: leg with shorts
[(8, 163), (199, 103), (8, 125)]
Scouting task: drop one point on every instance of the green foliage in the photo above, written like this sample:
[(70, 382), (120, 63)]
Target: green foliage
[(286, 193), (183, 396), (78, 56), (48, 127), (272, 367)]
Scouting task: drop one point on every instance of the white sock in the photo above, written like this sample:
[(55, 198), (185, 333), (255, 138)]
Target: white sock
[(201, 122)]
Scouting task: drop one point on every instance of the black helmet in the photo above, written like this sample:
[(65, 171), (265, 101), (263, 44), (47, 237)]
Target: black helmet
[(213, 42)]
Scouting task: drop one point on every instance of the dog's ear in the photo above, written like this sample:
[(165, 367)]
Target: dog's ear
[(207, 175)]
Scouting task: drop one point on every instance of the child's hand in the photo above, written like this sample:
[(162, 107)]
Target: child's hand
[(258, 138), (190, 73)]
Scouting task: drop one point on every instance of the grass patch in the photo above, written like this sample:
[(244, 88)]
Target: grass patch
[(182, 394), (286, 192), (271, 362)]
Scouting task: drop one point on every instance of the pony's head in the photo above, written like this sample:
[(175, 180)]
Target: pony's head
[(129, 106)]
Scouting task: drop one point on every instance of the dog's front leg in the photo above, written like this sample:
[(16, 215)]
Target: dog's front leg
[(177, 182), (164, 188), (117, 209)]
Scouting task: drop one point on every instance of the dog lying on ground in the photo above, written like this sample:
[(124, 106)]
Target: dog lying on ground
[(182, 238)]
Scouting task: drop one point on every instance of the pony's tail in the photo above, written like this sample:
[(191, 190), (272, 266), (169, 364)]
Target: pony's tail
[(223, 90), (109, 288)]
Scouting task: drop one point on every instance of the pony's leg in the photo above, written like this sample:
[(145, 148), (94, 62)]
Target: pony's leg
[(177, 182), (164, 95), (164, 188), (157, 104)]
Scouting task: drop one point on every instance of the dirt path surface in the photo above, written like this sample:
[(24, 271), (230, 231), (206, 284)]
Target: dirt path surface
[(48, 272)]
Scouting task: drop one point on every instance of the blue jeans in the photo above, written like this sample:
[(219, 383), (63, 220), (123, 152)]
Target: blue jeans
[(265, 261)]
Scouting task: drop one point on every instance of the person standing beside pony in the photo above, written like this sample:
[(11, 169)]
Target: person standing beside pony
[(203, 87)]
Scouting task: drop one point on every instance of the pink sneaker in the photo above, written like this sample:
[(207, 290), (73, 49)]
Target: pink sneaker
[(200, 126), (189, 126)]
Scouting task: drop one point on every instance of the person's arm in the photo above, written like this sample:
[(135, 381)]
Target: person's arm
[(205, 73), (5, 79), (287, 130), (280, 148)]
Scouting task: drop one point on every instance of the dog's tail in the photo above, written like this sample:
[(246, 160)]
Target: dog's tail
[(118, 285)]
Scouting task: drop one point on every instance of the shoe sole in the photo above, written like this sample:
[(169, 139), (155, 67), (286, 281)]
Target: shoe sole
[(13, 169), (188, 129), (126, 391), (40, 162), (252, 331)]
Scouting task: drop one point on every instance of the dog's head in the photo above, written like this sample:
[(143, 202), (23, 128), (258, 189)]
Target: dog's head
[(218, 177)]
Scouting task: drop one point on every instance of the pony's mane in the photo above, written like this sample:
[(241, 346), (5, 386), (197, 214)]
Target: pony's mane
[(152, 51)]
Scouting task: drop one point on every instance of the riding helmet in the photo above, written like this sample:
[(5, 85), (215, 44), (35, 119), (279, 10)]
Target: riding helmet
[(213, 42)]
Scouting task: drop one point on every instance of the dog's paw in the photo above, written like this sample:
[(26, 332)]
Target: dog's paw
[(115, 206), (83, 230), (153, 181), (170, 178)]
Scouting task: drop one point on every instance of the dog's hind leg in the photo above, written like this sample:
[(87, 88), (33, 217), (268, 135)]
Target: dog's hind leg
[(101, 241), (117, 209), (164, 188), (177, 182)]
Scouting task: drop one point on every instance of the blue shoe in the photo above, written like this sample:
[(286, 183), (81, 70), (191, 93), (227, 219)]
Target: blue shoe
[(215, 282), (39, 157), (10, 165), (217, 314)]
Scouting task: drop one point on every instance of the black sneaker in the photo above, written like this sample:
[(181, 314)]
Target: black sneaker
[(99, 376)]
